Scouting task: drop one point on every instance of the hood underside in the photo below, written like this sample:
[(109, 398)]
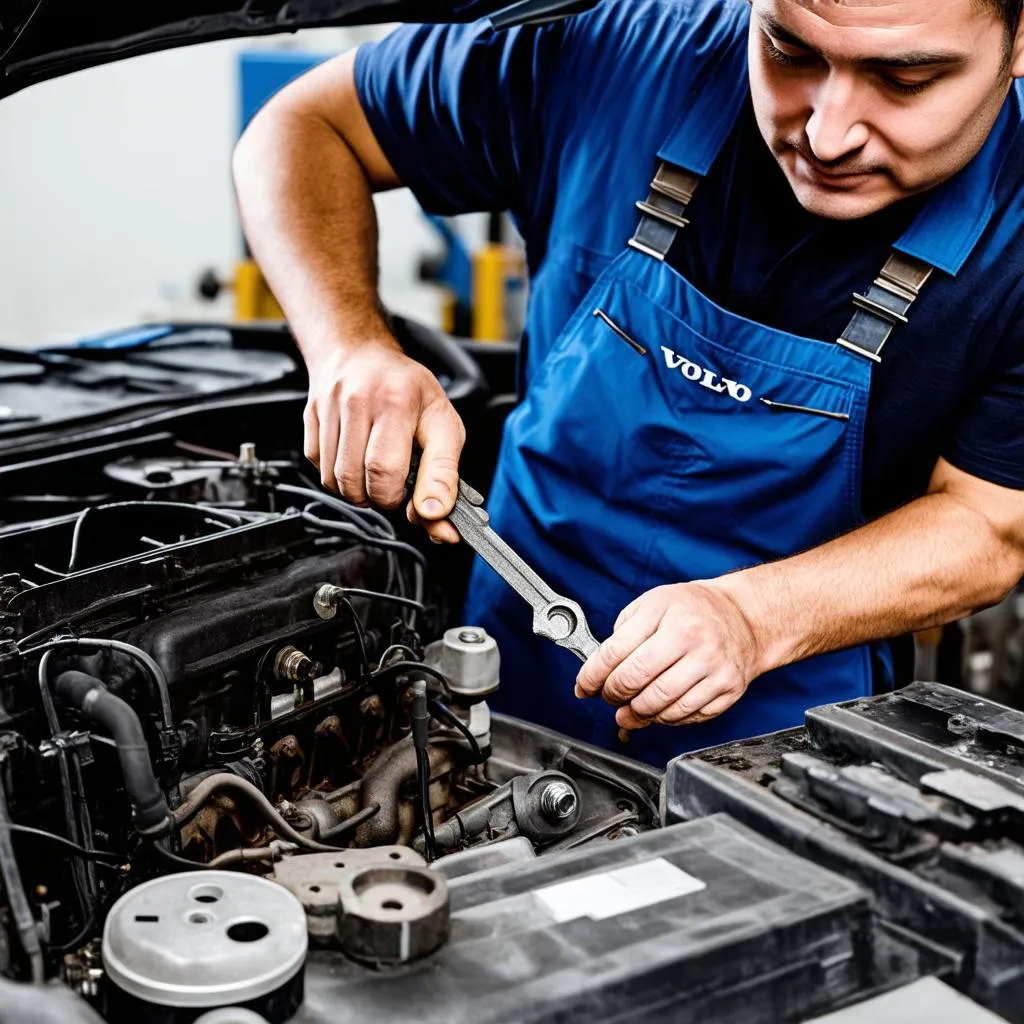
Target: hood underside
[(41, 39)]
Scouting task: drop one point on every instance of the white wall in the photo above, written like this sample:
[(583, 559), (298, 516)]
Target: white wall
[(115, 195)]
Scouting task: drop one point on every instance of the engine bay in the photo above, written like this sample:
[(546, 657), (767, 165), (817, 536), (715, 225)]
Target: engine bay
[(227, 697), (209, 663)]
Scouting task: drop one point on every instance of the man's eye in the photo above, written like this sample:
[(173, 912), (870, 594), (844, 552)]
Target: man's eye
[(905, 88), (785, 54)]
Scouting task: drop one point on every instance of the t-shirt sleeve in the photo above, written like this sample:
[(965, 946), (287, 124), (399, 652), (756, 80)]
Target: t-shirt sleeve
[(455, 109), (988, 439), (475, 119)]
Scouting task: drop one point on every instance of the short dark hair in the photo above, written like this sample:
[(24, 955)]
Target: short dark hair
[(1010, 12)]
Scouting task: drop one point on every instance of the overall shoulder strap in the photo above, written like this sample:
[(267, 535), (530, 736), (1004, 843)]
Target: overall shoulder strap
[(942, 237), (708, 117)]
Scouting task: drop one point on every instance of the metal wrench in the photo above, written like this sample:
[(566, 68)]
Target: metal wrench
[(556, 618)]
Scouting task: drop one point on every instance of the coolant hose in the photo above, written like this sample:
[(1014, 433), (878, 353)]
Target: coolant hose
[(89, 695)]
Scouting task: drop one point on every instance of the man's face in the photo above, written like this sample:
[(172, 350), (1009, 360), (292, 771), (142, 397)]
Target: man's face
[(866, 102)]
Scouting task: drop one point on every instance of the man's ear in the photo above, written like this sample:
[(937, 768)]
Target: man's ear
[(1017, 52)]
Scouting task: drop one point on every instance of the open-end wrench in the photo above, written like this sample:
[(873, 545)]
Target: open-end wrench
[(556, 618)]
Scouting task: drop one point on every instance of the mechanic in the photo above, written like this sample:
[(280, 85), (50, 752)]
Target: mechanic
[(727, 489)]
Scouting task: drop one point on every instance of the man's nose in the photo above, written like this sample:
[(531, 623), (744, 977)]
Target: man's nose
[(835, 129)]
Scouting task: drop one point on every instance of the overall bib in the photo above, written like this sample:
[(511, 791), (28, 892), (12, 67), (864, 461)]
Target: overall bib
[(664, 439)]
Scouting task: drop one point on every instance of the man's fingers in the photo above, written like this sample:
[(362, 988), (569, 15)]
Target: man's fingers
[(328, 445), (349, 466), (671, 686), (684, 704), (622, 643), (440, 531), (711, 710), (311, 435), (626, 718), (441, 435), (627, 613), (643, 667), (388, 451)]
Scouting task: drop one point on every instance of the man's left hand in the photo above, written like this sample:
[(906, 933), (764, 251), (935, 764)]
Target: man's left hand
[(679, 655)]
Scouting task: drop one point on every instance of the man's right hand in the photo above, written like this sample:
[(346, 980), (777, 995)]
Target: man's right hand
[(366, 407)]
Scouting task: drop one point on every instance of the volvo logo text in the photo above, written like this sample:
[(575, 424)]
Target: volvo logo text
[(706, 378)]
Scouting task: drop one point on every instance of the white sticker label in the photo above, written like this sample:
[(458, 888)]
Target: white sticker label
[(617, 892)]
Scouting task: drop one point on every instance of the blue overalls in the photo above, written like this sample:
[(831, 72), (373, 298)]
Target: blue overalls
[(664, 439)]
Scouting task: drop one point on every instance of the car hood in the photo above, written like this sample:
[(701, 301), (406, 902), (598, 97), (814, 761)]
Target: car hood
[(42, 39)]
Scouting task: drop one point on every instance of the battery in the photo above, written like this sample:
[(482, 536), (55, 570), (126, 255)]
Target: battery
[(700, 921), (918, 796)]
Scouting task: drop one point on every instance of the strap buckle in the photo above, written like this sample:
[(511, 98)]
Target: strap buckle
[(664, 210), (885, 306)]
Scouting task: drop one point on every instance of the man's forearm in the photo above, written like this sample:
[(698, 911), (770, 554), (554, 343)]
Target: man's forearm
[(305, 170), (928, 563), (308, 213)]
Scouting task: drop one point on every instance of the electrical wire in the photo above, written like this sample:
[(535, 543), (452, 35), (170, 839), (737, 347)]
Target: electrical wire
[(76, 538), (80, 938), (392, 547), (21, 911), (366, 517), (443, 711), (360, 632), (394, 649), (170, 857), (84, 822), (398, 667), (379, 595), (23, 31), (423, 774), (371, 540), (98, 856), (245, 855)]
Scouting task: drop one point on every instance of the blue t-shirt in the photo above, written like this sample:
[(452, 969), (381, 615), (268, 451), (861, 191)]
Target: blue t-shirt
[(560, 124)]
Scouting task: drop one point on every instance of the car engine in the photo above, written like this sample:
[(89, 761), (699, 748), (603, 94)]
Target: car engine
[(208, 663)]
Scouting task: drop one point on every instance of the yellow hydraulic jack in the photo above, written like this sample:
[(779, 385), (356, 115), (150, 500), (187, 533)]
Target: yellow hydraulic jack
[(498, 288), (484, 291)]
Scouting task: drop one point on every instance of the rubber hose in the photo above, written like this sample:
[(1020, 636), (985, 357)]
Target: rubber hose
[(91, 697)]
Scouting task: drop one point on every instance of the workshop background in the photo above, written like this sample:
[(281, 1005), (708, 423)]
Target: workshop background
[(117, 196)]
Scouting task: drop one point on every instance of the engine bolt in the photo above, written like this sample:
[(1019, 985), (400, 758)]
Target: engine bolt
[(558, 801), (472, 636), (247, 453)]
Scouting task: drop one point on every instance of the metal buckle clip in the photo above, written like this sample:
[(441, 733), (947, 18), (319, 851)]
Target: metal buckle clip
[(890, 315), (663, 215)]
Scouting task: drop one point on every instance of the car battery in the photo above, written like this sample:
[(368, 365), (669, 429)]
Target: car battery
[(701, 921), (917, 795)]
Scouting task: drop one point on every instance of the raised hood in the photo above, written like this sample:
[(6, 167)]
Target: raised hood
[(42, 39)]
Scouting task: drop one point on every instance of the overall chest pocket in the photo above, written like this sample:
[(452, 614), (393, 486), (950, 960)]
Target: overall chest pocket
[(638, 408)]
